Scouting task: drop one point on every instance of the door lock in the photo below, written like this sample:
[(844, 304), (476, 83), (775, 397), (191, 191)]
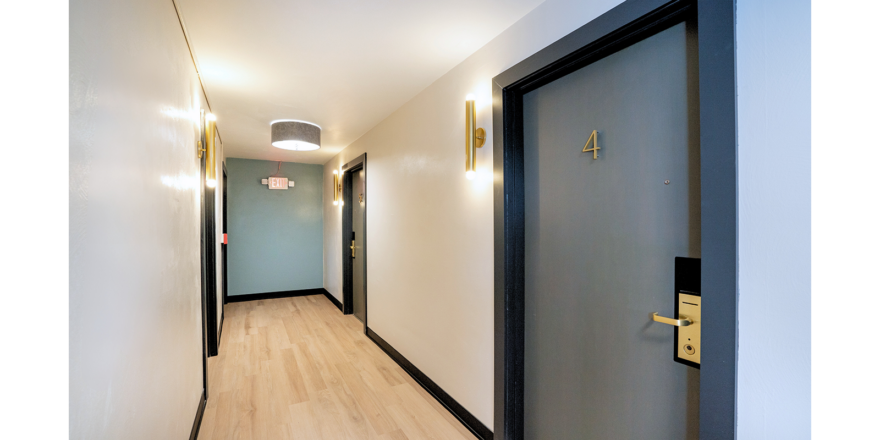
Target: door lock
[(687, 328), (688, 338), (688, 317), (353, 247)]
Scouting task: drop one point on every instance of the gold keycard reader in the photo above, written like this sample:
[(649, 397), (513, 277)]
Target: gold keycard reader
[(687, 321)]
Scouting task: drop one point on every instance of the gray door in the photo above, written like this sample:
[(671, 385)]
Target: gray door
[(358, 269), (601, 237)]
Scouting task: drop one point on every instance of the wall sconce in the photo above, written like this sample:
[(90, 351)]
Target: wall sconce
[(337, 188), (474, 137), (211, 156)]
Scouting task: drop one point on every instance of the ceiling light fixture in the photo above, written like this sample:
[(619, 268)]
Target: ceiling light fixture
[(289, 134)]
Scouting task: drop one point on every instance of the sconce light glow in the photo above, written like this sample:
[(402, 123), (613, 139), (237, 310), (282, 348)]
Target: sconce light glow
[(210, 117), (470, 175), (211, 183), (337, 188), (469, 97)]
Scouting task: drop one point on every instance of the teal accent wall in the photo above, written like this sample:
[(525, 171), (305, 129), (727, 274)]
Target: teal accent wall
[(275, 236)]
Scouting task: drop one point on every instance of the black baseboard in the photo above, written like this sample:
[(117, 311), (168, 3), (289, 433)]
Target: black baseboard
[(194, 433), (281, 294), (466, 418), (333, 299), (274, 295)]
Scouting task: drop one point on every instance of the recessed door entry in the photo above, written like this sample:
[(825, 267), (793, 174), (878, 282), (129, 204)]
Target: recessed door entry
[(612, 197), (359, 300)]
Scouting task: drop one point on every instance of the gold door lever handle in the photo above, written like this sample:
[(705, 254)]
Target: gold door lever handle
[(685, 321)]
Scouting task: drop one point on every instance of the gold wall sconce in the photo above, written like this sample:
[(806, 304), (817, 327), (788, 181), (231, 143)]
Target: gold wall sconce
[(210, 150), (337, 188), (202, 149), (474, 137)]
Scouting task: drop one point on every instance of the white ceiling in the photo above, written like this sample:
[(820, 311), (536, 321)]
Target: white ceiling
[(342, 64)]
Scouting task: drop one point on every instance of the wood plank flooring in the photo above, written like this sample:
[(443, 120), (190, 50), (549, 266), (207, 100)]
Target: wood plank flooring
[(296, 368)]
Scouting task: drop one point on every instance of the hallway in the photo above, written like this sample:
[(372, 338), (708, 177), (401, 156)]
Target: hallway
[(296, 368), (526, 200)]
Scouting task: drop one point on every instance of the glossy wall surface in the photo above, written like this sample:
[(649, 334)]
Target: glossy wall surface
[(773, 117), (274, 235), (135, 301), (429, 229)]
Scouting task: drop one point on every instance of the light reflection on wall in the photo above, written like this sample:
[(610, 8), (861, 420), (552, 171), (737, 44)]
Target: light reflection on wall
[(181, 182), (482, 92), (483, 180), (176, 113)]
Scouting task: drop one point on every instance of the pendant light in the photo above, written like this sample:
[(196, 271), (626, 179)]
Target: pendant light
[(289, 134)]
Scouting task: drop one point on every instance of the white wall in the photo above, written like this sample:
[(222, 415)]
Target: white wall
[(135, 307), (773, 109), (429, 233)]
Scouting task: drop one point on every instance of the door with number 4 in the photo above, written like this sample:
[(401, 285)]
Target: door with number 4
[(612, 197)]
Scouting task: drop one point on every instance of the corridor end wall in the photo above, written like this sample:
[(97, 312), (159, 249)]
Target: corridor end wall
[(274, 235)]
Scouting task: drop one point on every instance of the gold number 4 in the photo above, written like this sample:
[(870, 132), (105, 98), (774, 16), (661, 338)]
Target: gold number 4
[(594, 139)]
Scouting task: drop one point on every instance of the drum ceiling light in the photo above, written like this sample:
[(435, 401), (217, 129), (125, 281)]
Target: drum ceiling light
[(294, 135)]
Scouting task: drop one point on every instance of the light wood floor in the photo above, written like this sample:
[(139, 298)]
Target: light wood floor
[(296, 368)]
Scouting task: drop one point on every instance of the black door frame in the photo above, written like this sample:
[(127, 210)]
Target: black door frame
[(203, 234), (211, 275), (359, 163), (622, 26), (223, 252)]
